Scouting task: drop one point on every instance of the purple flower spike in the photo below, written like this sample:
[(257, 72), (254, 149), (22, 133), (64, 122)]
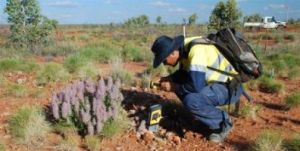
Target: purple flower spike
[(65, 110), (109, 84), (55, 110), (90, 128)]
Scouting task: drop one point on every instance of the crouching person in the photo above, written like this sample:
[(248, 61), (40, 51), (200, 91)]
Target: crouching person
[(199, 87)]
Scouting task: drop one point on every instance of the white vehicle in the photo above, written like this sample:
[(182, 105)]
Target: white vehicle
[(267, 22)]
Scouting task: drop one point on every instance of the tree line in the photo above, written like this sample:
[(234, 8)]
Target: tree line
[(30, 28)]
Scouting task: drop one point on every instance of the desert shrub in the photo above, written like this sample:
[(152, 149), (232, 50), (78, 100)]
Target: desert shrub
[(252, 85), (293, 100), (70, 142), (88, 105), (266, 36), (52, 72), (28, 126), (17, 91), (293, 73), (292, 144), (132, 53), (269, 85), (92, 142), (74, 62), (117, 125), (37, 93), (290, 37), (11, 64), (99, 54), (268, 141), (249, 110), (60, 49), (2, 146), (118, 72), (3, 81), (146, 79), (88, 70)]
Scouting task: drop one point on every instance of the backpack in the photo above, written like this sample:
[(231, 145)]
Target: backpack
[(235, 49)]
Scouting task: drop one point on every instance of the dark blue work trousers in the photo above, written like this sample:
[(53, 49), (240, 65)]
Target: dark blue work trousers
[(203, 105)]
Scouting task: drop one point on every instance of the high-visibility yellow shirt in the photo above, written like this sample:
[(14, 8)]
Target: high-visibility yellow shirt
[(202, 56)]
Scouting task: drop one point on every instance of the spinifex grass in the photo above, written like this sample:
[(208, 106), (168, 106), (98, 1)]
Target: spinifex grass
[(28, 126), (293, 100), (268, 140)]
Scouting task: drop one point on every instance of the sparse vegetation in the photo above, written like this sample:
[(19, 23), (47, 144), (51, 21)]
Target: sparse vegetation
[(118, 72), (70, 142), (17, 91), (2, 146), (269, 85), (92, 142), (13, 64), (268, 140), (250, 110), (293, 100), (28, 126), (52, 72), (292, 144)]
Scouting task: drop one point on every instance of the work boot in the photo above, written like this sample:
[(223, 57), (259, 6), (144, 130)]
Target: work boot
[(219, 135)]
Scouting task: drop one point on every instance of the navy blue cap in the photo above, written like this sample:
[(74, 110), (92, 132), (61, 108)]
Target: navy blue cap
[(164, 46)]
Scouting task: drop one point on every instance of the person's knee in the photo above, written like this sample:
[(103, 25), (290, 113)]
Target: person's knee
[(194, 100)]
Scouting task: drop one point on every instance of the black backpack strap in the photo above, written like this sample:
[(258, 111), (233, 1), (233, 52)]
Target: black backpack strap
[(223, 72)]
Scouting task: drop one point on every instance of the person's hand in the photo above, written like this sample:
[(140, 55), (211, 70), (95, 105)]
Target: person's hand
[(168, 86), (165, 79)]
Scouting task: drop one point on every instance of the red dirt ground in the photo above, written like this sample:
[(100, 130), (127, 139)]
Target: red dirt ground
[(272, 116)]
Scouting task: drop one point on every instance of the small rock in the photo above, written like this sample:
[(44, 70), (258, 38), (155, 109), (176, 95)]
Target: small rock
[(176, 140), (118, 148), (132, 111), (160, 141), (148, 137), (143, 108), (133, 88), (10, 74), (169, 136), (162, 132), (142, 126)]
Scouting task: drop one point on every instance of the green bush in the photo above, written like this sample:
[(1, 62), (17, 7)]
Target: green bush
[(52, 72), (70, 142), (17, 91), (293, 100), (75, 62), (118, 72), (28, 126), (60, 49), (92, 142), (250, 110), (116, 126), (268, 141), (11, 64), (292, 144), (132, 53), (269, 85), (99, 54), (294, 73), (86, 71)]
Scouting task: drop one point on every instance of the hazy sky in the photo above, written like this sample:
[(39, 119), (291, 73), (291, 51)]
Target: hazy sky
[(171, 11)]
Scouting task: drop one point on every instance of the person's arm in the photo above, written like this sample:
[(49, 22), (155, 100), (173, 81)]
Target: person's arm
[(194, 78)]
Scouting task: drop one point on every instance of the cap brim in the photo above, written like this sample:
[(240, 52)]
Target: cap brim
[(158, 59)]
